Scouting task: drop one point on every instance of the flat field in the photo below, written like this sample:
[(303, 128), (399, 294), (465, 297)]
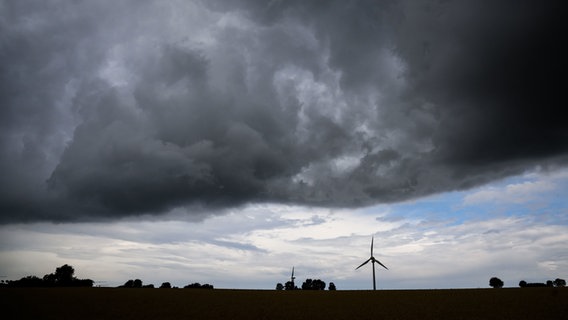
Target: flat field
[(112, 303)]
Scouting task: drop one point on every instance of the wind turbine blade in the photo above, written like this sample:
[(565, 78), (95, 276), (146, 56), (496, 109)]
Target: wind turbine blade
[(292, 272), (372, 240), (364, 263), (381, 264)]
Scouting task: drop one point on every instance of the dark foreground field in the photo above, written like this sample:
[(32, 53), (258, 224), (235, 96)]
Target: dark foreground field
[(109, 303)]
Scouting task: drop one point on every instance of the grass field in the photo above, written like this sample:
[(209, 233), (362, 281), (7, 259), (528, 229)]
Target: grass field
[(111, 303)]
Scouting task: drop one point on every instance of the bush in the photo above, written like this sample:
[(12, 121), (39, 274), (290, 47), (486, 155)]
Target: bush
[(524, 284)]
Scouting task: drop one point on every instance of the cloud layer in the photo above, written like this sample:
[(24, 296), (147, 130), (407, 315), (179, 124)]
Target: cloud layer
[(109, 110)]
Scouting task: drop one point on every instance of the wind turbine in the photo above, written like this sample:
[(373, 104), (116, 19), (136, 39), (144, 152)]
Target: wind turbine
[(292, 278), (290, 284), (373, 260)]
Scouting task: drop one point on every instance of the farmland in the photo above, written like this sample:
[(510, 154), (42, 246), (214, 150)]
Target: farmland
[(113, 303)]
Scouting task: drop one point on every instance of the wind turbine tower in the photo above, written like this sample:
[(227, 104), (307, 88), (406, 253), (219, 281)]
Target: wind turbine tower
[(373, 260)]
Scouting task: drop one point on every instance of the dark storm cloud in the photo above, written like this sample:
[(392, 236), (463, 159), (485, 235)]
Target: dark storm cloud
[(112, 109)]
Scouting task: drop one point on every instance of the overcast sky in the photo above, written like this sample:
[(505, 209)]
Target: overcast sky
[(226, 141)]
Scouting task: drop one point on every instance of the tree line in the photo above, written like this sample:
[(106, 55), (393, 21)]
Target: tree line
[(558, 283), (137, 283), (64, 277), (309, 284)]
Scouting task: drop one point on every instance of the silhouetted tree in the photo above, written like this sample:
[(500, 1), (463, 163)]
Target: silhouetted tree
[(549, 283), (524, 284), (50, 280), (536, 284), (28, 281), (197, 285), (132, 284), (559, 282), (290, 286), (316, 284), (307, 285), (128, 284), (83, 283), (331, 286), (166, 285), (64, 275), (279, 286), (496, 282)]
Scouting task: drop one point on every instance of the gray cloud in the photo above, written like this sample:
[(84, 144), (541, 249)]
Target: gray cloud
[(110, 110)]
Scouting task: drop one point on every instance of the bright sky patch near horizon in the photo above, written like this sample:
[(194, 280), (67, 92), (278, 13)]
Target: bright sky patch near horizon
[(227, 141), (442, 241)]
